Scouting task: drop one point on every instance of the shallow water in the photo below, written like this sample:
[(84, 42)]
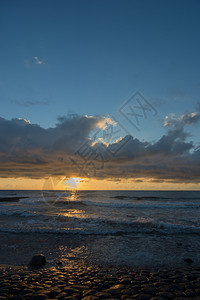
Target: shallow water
[(129, 228), (101, 212)]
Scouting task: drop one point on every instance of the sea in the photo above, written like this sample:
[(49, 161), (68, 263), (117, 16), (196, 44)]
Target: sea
[(114, 227)]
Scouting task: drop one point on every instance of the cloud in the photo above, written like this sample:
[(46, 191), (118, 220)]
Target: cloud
[(185, 119), (29, 103), (38, 61), (67, 149)]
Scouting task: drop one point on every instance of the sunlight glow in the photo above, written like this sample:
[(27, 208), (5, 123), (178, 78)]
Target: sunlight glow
[(73, 182)]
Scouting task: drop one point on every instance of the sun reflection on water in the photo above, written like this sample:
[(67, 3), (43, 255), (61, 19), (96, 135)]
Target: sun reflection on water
[(72, 197)]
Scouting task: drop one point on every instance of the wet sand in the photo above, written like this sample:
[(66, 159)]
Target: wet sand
[(135, 250)]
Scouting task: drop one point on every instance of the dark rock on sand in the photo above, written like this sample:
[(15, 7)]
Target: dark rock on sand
[(38, 260), (188, 260), (179, 244)]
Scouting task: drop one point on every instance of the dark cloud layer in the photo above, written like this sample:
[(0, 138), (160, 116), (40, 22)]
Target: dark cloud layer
[(28, 150)]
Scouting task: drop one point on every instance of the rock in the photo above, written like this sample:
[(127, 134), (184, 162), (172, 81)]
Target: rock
[(129, 291), (26, 291), (180, 294), (143, 297), (190, 277), (105, 285), (18, 297), (67, 298), (39, 297), (53, 294), (91, 298), (15, 291), (102, 295), (116, 289), (165, 295), (190, 293), (125, 297), (197, 291), (38, 260), (62, 296), (89, 292), (188, 260), (70, 290), (148, 290)]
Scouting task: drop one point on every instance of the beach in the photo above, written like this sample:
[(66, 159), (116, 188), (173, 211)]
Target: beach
[(100, 245), (79, 281), (77, 267)]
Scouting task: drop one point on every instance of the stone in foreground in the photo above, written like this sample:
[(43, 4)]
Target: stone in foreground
[(38, 260)]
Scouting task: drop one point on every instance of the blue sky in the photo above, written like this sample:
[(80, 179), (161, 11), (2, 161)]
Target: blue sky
[(95, 54), (88, 57)]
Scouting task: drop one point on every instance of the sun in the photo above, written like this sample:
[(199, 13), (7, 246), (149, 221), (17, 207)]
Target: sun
[(73, 182)]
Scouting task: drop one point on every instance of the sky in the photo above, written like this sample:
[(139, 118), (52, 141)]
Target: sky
[(103, 92)]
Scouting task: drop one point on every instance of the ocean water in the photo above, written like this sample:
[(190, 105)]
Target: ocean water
[(100, 212), (129, 228)]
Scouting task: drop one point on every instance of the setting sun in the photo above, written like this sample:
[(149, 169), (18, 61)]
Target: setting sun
[(73, 182)]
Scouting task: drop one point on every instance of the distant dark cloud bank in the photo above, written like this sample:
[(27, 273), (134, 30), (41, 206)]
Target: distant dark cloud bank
[(28, 150)]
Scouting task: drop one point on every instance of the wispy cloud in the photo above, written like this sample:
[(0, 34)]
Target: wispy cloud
[(28, 103), (38, 61)]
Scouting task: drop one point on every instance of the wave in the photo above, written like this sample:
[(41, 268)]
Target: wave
[(20, 214), (126, 197), (49, 194), (169, 205), (122, 197), (112, 204), (92, 226), (50, 201)]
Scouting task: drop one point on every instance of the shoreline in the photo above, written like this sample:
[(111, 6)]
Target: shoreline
[(131, 250)]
